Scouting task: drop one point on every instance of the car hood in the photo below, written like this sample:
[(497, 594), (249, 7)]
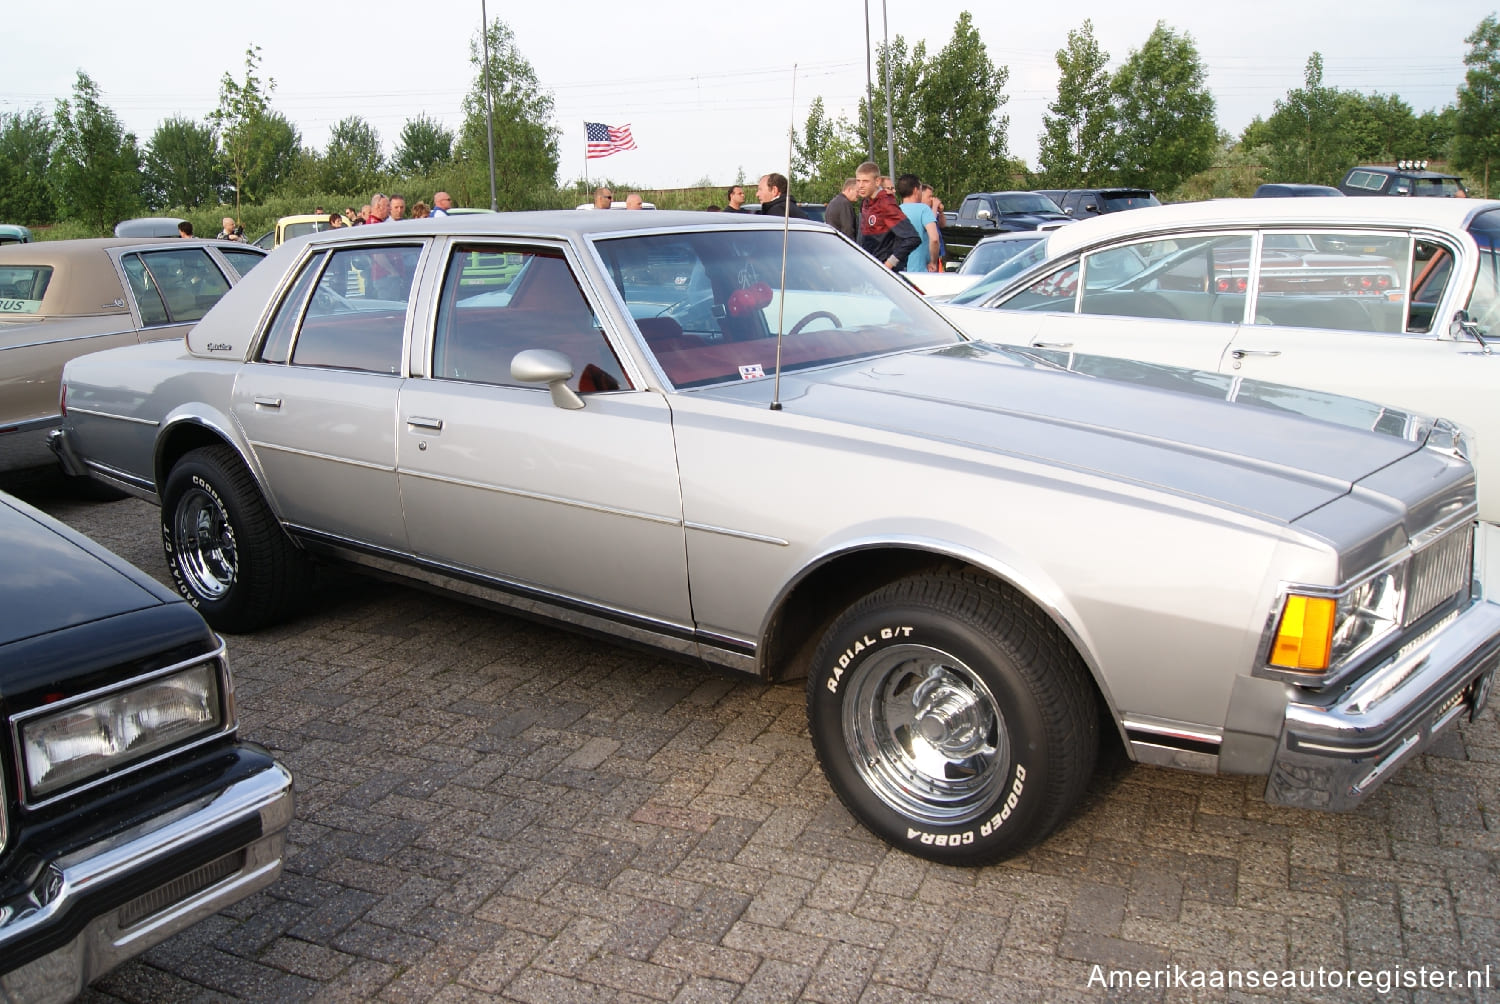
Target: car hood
[(1032, 220), (1273, 451), (52, 578)]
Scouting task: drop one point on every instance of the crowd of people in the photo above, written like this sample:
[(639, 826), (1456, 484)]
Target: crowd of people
[(900, 222)]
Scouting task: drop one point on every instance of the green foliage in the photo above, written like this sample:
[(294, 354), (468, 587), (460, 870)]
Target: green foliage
[(1166, 128), (525, 146), (1235, 173), (905, 77), (960, 137), (1476, 140), (96, 166), (261, 147), (1078, 129), (25, 148), (424, 146), (823, 156), (182, 165), (352, 161)]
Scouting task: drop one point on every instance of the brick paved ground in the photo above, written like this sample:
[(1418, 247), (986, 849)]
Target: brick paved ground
[(490, 810)]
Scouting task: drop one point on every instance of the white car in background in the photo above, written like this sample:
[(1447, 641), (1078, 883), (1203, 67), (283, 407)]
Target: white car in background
[(1391, 300)]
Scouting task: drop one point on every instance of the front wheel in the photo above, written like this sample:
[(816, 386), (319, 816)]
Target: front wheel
[(951, 718), (227, 553)]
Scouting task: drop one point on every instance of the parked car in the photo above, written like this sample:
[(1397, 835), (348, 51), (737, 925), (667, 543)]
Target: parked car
[(129, 808), (810, 210), (288, 227), (983, 214), (1405, 178), (10, 234), (1082, 203), (992, 252), (1279, 190), (1396, 301), (969, 552), (150, 226), (59, 299)]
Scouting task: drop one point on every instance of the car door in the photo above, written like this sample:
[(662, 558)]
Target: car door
[(318, 403), (1175, 301), (1365, 321), (577, 505)]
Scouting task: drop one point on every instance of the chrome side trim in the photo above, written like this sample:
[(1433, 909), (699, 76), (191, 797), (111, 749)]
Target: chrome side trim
[(111, 415), (539, 497), (1172, 744), (277, 448), (725, 531), (32, 425), (105, 941), (537, 604), (74, 338)]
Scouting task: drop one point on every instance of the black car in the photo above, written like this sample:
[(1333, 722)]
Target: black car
[(1408, 178), (1279, 190), (1081, 203), (129, 809)]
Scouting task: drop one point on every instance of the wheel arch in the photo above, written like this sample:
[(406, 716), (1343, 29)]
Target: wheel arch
[(827, 586), (181, 433)]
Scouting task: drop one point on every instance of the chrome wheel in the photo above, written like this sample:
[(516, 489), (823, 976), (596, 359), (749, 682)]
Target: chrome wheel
[(203, 542), (926, 735)]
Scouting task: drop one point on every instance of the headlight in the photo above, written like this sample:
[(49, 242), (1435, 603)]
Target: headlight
[(63, 747), (1318, 632)]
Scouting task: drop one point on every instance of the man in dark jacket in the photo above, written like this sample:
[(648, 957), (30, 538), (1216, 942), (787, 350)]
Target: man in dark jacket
[(842, 214), (884, 230), (773, 198)]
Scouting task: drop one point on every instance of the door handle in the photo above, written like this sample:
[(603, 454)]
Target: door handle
[(1052, 345), (419, 422), (1242, 353), (267, 402)]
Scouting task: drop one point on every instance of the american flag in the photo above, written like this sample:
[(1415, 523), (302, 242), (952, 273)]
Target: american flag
[(605, 140)]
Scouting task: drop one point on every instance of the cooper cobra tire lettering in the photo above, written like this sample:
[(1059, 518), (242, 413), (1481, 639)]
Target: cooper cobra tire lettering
[(924, 698)]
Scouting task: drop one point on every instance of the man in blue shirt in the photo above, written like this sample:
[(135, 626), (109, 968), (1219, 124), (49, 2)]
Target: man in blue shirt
[(926, 257)]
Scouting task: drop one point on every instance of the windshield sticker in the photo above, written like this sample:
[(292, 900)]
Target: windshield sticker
[(8, 306), (754, 371)]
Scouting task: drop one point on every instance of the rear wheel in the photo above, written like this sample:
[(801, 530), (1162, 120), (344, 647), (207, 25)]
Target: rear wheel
[(951, 718), (227, 553)]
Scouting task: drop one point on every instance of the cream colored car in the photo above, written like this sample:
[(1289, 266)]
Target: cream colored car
[(60, 299)]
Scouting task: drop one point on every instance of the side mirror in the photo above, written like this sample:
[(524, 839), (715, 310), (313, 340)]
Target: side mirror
[(551, 368), (1463, 326), (983, 214)]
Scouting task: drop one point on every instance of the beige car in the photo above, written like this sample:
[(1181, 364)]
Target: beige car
[(60, 299)]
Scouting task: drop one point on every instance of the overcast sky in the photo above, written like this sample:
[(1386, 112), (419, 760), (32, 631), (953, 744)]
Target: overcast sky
[(706, 96)]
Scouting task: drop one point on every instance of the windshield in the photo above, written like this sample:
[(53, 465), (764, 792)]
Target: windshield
[(1026, 202), (709, 304), (1484, 304), (989, 255), (1001, 276)]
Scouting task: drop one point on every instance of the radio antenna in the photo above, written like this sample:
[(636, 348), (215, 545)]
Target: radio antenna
[(786, 227)]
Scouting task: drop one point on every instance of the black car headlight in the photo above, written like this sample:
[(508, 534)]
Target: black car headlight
[(65, 745)]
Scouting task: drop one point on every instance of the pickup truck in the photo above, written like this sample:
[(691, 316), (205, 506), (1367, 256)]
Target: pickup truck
[(984, 214)]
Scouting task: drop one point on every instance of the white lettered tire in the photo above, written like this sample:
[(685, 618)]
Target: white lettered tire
[(952, 718)]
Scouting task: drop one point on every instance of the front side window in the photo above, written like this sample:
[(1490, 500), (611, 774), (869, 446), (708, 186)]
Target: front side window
[(1349, 281), (498, 302), (1484, 302), (356, 316)]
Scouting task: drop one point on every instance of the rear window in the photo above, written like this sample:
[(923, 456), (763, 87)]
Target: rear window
[(22, 288)]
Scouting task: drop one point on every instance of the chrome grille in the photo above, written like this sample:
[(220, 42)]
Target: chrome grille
[(1440, 570)]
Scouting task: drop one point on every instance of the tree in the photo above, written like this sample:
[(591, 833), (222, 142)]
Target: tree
[(1476, 127), (525, 135), (424, 146), (1077, 141), (182, 165), (272, 153), (1378, 127), (1167, 130), (960, 137), (824, 155), (240, 116), (26, 140), (905, 77), (352, 158), (1302, 134), (96, 165)]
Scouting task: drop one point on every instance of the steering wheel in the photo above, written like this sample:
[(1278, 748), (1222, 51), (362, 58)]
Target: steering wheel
[(825, 314)]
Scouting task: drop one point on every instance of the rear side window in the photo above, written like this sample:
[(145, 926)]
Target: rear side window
[(172, 287), (242, 261), (1349, 281), (1188, 278), (22, 288), (356, 317)]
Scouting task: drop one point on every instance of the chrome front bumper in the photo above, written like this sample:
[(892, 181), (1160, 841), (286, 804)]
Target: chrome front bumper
[(1332, 756), (181, 900)]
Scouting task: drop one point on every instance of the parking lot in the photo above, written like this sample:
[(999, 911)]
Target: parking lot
[(490, 809)]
